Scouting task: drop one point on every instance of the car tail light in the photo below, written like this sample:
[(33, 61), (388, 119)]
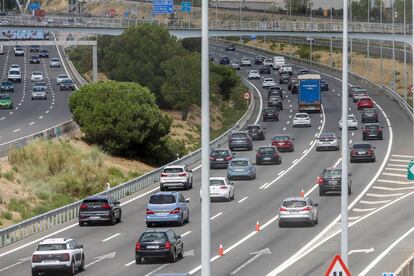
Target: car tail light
[(223, 188), (258, 154), (164, 174), (175, 211), (275, 154), (65, 257), (319, 180), (138, 246), (353, 152), (106, 206), (150, 212), (364, 130), (307, 208), (36, 259), (83, 206), (212, 158), (282, 209), (182, 174), (167, 245), (228, 158), (370, 151)]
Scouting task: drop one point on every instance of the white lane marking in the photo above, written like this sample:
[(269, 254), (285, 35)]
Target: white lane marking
[(41, 117), (243, 199), (395, 182), (392, 189), (311, 142), (305, 151), (261, 102), (291, 111), (157, 269), (290, 116), (111, 237), (185, 234), (404, 156), (396, 169), (319, 127), (316, 135), (320, 121), (353, 218), (338, 95), (385, 252), (252, 259), (290, 106), (294, 161), (350, 141), (287, 122), (397, 165), (337, 162), (284, 129), (395, 174), (47, 111), (361, 210), (368, 202), (216, 216), (366, 251), (352, 134), (2, 118), (11, 112), (16, 130), (17, 263), (280, 173), (61, 58), (264, 185), (399, 160), (384, 195), (196, 168)]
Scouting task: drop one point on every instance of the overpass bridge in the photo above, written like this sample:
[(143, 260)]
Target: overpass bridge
[(183, 28)]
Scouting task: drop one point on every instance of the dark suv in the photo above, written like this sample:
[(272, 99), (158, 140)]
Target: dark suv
[(256, 132), (268, 155), (362, 152), (240, 139), (101, 208), (372, 131), (224, 60), (270, 113), (330, 181), (275, 101), (259, 60), (220, 158), (264, 70), (369, 115), (159, 243), (230, 47)]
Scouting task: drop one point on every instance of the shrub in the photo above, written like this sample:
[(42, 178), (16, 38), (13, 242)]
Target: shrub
[(7, 215), (9, 175)]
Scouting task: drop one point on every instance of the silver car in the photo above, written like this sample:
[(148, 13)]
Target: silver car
[(54, 62), (38, 93), (298, 210), (246, 62), (327, 141), (235, 65), (352, 122), (301, 119), (241, 168), (178, 176)]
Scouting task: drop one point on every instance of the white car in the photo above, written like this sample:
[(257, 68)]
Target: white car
[(221, 189), (246, 62), (254, 74), (18, 51), (39, 93), (177, 176), (301, 119), (61, 77), (36, 76), (54, 62), (352, 122), (268, 62), (60, 255), (14, 75), (286, 69), (327, 141), (268, 82)]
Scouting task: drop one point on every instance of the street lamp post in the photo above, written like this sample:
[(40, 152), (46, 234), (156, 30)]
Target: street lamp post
[(381, 65), (393, 45), (240, 19), (368, 19), (330, 56), (405, 54), (350, 19)]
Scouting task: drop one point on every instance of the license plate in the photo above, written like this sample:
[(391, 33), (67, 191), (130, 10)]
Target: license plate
[(153, 246), (49, 261), (361, 152), (239, 170), (267, 158), (281, 144), (95, 217), (220, 159)]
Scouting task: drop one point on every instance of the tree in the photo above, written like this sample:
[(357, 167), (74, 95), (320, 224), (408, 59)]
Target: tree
[(297, 6), (182, 87), (121, 117)]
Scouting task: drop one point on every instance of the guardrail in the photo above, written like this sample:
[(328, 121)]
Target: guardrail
[(407, 268), (61, 215), (390, 93), (188, 24)]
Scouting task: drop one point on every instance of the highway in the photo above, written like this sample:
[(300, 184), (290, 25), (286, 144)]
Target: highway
[(233, 223), (30, 116)]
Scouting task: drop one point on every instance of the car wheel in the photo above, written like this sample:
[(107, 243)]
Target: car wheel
[(292, 149), (173, 257), (187, 186), (351, 160), (251, 148), (317, 149), (349, 190), (120, 217), (181, 254), (188, 218), (281, 224), (82, 266), (113, 219), (138, 260), (162, 188), (228, 199), (321, 193), (316, 220), (373, 160), (279, 161), (149, 224), (72, 269), (181, 222), (81, 223)]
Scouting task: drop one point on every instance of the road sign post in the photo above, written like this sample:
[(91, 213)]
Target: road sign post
[(34, 6), (162, 7), (247, 96), (410, 170), (337, 268)]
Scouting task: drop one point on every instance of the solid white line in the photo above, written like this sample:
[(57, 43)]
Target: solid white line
[(384, 253), (384, 195), (185, 234), (196, 168), (397, 165), (264, 185), (130, 263), (261, 102), (337, 162), (157, 269), (404, 156), (281, 172), (395, 169), (363, 210), (216, 216), (395, 174), (243, 199), (399, 160), (16, 130), (374, 202), (111, 237), (16, 264), (294, 161), (353, 218), (395, 182), (392, 189)]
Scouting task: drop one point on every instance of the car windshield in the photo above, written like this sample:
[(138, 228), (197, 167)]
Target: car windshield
[(274, 98), (253, 128), (55, 59), (254, 72), (51, 247), (301, 116), (351, 117), (365, 100), (266, 150), (239, 135), (294, 203), (268, 80), (66, 81), (371, 127), (4, 97), (14, 72), (40, 84), (220, 153), (6, 83), (361, 146), (239, 163), (216, 182), (332, 173), (281, 138), (38, 89), (37, 73), (63, 76), (270, 109), (173, 170), (95, 202), (327, 135), (152, 237), (162, 199)]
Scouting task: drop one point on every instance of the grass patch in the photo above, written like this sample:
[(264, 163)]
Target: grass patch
[(6, 215), (9, 175)]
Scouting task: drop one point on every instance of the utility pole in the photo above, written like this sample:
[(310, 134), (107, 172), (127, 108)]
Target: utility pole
[(393, 45), (240, 14), (381, 65), (412, 55), (330, 56), (368, 20), (405, 54), (344, 165), (350, 21)]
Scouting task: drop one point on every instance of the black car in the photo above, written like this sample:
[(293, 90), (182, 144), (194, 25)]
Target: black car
[(268, 155), (303, 72), (330, 181), (284, 79), (224, 60), (270, 113), (43, 53), (369, 115), (159, 243), (324, 85), (230, 47), (256, 132), (34, 60), (34, 48), (275, 90), (7, 86), (66, 84), (101, 208), (275, 101), (259, 60), (220, 158), (372, 131), (352, 90), (362, 152), (264, 70)]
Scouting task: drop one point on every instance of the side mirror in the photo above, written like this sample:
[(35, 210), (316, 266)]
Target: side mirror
[(178, 237), (316, 204), (117, 202), (187, 201), (190, 170), (339, 137), (80, 246), (382, 127), (232, 183), (349, 174), (374, 147)]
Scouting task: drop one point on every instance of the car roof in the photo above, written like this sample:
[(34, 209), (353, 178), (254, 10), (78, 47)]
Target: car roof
[(55, 240), (301, 113), (254, 125), (220, 149), (218, 178), (332, 169), (166, 193), (362, 144), (152, 230), (269, 79), (175, 166), (296, 198), (281, 135), (241, 159), (268, 146), (327, 134), (240, 131), (97, 197), (372, 124)]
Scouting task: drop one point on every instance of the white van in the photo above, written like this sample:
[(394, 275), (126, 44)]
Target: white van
[(1, 50), (278, 62)]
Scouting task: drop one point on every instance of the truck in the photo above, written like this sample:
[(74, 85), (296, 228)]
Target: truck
[(310, 93)]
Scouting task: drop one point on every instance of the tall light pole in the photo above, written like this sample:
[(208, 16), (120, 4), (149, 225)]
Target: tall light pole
[(330, 56), (350, 21), (344, 165), (368, 18), (381, 65), (205, 144), (412, 55), (310, 12), (216, 10), (405, 55), (240, 15), (393, 45)]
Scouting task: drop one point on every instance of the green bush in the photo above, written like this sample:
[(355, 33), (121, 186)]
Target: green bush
[(9, 175), (20, 206), (6, 215)]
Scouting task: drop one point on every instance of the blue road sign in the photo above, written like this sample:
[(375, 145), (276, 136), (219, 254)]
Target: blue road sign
[(253, 37), (162, 7), (387, 274), (34, 6), (186, 6)]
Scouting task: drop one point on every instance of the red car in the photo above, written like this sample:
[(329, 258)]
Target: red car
[(365, 103), (283, 142)]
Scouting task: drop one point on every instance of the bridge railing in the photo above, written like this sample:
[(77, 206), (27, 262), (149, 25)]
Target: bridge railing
[(188, 24)]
